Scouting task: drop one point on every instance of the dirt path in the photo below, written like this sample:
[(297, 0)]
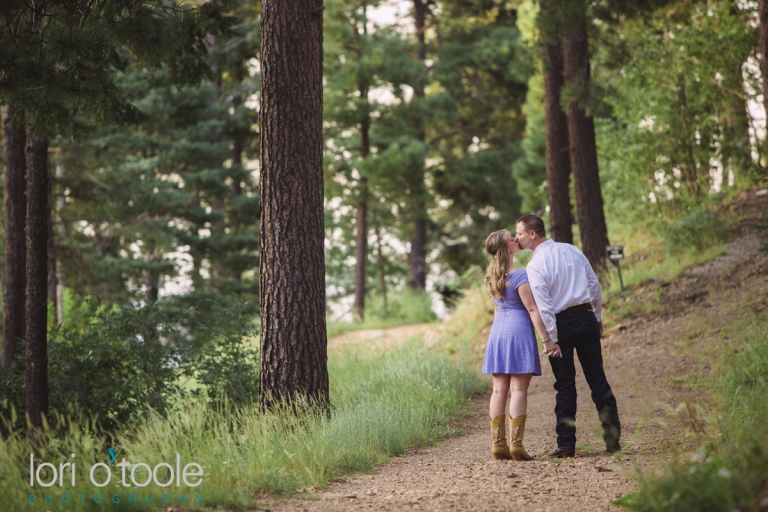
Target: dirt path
[(647, 360), (380, 338)]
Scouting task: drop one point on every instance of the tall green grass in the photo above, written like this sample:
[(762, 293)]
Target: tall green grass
[(730, 471), (406, 307), (382, 404)]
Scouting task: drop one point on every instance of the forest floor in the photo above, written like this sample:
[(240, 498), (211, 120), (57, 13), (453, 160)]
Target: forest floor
[(653, 357)]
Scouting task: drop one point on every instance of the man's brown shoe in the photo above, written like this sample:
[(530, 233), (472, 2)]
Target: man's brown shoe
[(562, 453), (611, 448)]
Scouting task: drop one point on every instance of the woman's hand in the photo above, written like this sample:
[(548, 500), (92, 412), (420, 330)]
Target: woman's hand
[(552, 349)]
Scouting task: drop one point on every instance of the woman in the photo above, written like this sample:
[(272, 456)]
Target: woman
[(511, 354)]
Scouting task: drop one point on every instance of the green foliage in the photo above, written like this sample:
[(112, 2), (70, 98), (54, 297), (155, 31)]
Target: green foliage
[(696, 231), (366, 75), (383, 404), (61, 60), (530, 171), (407, 307), (126, 362), (729, 472), (157, 205), (481, 73), (114, 370), (65, 437), (674, 121), (228, 366)]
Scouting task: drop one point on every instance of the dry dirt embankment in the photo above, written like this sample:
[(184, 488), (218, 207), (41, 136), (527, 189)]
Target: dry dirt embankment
[(650, 362)]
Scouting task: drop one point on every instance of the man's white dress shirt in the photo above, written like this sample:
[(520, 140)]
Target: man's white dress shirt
[(560, 277)]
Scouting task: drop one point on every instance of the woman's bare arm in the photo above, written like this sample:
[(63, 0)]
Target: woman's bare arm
[(527, 297), (530, 304)]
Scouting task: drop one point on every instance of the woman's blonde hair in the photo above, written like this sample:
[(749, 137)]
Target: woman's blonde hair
[(494, 275)]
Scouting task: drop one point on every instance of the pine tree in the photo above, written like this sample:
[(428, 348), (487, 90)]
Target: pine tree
[(763, 49), (475, 113), (292, 267), (59, 60), (37, 280), (165, 197), (557, 145), (581, 133), (417, 257), (15, 167)]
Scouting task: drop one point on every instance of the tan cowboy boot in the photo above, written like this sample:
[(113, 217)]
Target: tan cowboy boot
[(516, 432), (499, 450)]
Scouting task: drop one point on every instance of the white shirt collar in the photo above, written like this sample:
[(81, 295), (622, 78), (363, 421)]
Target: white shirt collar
[(543, 245)]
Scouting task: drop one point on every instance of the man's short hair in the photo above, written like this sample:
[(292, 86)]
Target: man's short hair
[(533, 223)]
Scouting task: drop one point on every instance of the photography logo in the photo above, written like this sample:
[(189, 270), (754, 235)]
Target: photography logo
[(172, 481)]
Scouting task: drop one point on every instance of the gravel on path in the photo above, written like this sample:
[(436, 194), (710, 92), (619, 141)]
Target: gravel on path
[(646, 367)]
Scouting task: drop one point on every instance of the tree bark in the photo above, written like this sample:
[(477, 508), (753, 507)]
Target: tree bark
[(418, 253), (237, 151), (764, 51), (361, 249), (61, 284), (557, 142), (581, 132), (292, 266), (15, 166), (380, 258), (37, 280), (52, 279), (362, 213)]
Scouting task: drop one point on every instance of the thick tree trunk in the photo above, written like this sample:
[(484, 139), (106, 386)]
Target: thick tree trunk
[(292, 266), (557, 143), (37, 280), (581, 132), (418, 254), (15, 166), (764, 51), (362, 216)]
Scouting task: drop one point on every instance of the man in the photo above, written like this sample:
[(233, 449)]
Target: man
[(567, 293)]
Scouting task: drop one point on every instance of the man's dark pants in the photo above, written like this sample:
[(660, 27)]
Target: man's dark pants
[(580, 333)]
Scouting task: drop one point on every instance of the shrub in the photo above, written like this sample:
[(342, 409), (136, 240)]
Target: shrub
[(229, 365), (114, 370), (696, 231), (124, 362)]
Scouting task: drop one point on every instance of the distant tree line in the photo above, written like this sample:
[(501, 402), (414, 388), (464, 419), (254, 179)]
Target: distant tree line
[(159, 154)]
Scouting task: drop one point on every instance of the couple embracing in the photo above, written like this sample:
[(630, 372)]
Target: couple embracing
[(558, 295)]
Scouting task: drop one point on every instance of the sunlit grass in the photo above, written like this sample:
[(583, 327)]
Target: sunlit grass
[(383, 403), (406, 307), (728, 471)]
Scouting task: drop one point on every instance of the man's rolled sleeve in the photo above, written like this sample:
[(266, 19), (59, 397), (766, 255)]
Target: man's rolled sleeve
[(593, 285), (540, 292)]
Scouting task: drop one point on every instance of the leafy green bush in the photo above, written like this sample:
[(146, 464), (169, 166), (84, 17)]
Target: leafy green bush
[(114, 370), (124, 362), (228, 367), (695, 231)]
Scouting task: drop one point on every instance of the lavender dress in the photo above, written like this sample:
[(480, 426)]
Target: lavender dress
[(511, 344)]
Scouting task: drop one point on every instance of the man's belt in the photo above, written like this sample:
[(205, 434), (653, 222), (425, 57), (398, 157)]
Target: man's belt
[(574, 309)]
